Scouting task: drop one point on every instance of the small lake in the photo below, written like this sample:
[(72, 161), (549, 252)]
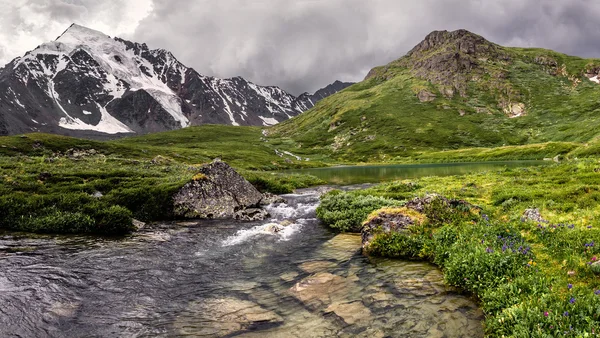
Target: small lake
[(345, 175)]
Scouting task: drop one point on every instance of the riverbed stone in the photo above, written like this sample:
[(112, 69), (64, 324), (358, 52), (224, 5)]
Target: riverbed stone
[(223, 317), (218, 192), (317, 290), (341, 248), (316, 266), (269, 198), (349, 312), (251, 214)]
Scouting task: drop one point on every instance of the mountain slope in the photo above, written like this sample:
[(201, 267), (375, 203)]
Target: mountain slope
[(453, 90), (86, 83)]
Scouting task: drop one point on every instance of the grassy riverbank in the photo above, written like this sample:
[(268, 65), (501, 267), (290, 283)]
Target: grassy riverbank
[(532, 278), (58, 184)]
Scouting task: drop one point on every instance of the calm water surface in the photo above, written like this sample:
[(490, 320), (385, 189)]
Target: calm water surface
[(345, 175)]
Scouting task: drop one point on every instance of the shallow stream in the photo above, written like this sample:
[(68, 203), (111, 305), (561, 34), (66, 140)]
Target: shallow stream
[(224, 279)]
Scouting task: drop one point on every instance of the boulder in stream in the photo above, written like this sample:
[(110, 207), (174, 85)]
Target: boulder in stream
[(217, 191)]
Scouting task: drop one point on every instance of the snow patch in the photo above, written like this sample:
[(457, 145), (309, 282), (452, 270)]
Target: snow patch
[(268, 121), (108, 124), (290, 154), (85, 112)]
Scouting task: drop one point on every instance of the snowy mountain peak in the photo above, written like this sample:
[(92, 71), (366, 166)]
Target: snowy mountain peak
[(86, 83)]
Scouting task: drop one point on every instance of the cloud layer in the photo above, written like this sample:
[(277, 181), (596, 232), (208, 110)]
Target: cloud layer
[(25, 24), (301, 45)]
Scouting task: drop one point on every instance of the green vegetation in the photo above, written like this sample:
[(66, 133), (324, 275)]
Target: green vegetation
[(532, 278), (59, 184), (382, 119), (345, 212)]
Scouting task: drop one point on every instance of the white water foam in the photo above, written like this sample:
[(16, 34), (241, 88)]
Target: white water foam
[(271, 229), (284, 211)]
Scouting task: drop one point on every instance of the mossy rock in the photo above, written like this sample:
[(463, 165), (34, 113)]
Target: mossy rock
[(387, 221)]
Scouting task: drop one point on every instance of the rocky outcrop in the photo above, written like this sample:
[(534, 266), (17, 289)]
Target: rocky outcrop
[(388, 220), (421, 203), (219, 192), (426, 96), (533, 215)]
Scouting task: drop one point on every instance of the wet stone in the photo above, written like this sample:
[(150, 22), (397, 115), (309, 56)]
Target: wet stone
[(224, 316)]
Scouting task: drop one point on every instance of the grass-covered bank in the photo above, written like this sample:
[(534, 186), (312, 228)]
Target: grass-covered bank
[(101, 194), (533, 279)]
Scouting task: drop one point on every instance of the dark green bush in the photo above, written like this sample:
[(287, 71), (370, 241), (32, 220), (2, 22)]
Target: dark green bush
[(347, 211), (148, 203), (57, 221), (114, 220), (399, 245)]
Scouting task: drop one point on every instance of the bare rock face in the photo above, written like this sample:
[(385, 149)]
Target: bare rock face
[(220, 192), (426, 96), (515, 110)]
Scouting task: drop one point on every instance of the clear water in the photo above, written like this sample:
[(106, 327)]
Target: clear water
[(380, 173), (224, 279)]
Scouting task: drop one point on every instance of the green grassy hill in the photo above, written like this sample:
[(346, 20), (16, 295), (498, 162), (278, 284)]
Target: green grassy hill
[(454, 90)]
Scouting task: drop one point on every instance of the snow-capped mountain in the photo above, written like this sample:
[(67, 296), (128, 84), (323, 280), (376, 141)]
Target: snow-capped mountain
[(86, 83)]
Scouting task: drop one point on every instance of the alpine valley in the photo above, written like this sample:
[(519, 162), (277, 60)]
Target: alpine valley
[(88, 84), (184, 235)]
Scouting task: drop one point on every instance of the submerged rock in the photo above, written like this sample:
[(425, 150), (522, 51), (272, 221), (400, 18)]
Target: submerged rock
[(220, 193), (224, 317), (269, 198), (273, 228), (251, 214)]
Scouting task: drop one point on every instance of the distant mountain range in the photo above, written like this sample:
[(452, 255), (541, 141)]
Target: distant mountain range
[(88, 84)]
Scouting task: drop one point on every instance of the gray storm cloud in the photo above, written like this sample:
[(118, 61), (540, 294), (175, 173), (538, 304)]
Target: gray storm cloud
[(302, 45)]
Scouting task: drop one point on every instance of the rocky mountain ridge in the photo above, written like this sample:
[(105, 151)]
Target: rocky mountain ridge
[(88, 84), (454, 90)]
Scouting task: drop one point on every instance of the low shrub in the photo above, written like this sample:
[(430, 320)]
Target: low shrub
[(57, 221), (397, 244), (346, 212), (114, 220)]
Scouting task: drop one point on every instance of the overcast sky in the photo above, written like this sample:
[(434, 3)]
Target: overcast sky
[(301, 45)]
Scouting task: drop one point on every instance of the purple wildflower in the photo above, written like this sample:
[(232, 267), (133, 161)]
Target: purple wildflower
[(572, 300), (489, 250), (569, 286), (566, 314), (597, 292)]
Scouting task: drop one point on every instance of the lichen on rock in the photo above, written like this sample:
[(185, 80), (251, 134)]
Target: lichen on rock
[(388, 220)]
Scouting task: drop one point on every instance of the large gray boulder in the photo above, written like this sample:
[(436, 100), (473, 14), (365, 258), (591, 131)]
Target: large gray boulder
[(217, 191)]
